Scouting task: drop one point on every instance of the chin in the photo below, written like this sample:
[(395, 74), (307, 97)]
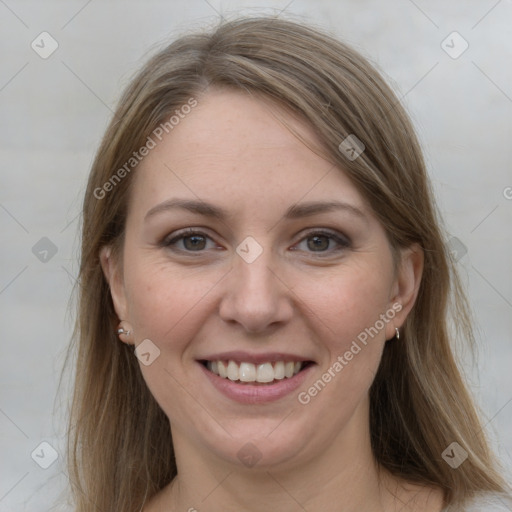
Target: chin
[(263, 445)]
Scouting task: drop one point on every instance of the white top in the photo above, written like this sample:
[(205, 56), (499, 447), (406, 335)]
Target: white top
[(485, 503)]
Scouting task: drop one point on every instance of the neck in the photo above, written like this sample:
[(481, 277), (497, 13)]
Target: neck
[(341, 477)]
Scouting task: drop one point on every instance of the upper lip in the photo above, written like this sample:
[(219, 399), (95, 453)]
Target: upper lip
[(247, 357)]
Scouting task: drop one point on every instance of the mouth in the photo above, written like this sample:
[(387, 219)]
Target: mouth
[(248, 373), (255, 379)]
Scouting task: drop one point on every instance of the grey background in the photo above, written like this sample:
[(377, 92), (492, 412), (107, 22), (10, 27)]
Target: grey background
[(53, 112)]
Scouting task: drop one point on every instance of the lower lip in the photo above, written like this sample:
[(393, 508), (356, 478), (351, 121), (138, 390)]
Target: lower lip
[(256, 394)]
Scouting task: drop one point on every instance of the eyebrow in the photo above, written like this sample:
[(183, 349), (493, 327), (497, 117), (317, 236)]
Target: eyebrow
[(293, 212), (198, 207), (312, 208)]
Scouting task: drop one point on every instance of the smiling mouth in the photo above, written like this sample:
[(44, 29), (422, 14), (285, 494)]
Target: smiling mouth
[(250, 373)]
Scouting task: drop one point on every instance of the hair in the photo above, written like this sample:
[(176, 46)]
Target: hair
[(120, 445)]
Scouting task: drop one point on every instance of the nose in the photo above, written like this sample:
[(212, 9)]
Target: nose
[(255, 297)]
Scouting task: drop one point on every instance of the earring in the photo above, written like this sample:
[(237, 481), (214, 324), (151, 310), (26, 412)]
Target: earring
[(124, 330), (397, 333)]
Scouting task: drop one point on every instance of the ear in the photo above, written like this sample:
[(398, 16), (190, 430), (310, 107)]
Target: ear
[(114, 276), (406, 286)]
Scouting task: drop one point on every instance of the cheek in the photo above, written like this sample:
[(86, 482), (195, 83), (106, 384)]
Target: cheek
[(169, 307), (163, 304), (345, 303), (345, 316)]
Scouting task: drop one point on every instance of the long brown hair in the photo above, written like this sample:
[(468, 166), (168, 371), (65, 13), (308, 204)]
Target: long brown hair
[(120, 445)]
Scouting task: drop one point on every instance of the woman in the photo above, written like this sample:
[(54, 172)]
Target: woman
[(264, 293)]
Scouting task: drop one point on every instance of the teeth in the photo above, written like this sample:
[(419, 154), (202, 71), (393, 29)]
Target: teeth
[(265, 373), (249, 372), (223, 372), (279, 370), (233, 371)]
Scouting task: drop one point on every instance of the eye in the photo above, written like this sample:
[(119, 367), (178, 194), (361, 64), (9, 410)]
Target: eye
[(322, 242), (189, 241)]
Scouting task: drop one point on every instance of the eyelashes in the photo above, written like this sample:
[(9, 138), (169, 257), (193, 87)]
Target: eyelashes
[(193, 241), (319, 242), (322, 242)]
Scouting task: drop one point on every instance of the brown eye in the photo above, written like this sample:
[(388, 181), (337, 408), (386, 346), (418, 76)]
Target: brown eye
[(189, 241), (323, 243), (318, 243), (194, 242)]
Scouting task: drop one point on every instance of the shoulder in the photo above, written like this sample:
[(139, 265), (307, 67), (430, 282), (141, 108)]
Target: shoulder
[(488, 502)]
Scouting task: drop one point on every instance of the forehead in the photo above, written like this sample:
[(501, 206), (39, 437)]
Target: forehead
[(234, 147)]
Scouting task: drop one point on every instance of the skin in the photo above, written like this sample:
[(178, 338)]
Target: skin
[(312, 300)]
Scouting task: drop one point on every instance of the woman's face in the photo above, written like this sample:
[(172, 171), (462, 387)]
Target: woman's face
[(247, 253)]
